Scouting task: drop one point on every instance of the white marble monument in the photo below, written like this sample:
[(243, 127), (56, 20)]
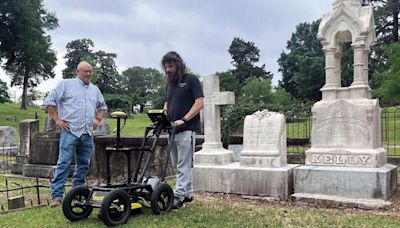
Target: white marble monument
[(346, 157), (264, 140), (262, 170), (212, 151)]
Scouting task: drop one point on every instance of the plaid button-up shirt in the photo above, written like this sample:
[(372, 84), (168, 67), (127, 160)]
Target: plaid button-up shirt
[(76, 104)]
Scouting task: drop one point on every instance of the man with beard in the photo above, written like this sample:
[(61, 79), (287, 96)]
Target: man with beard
[(183, 102)]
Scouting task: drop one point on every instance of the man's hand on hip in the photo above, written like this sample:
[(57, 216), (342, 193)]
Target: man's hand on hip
[(61, 124)]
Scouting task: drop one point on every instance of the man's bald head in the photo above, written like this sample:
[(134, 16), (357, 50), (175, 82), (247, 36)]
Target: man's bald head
[(84, 72)]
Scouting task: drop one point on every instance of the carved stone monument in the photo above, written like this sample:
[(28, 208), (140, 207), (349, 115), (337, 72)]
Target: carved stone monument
[(262, 169), (27, 128), (346, 157), (8, 141), (212, 151), (264, 140)]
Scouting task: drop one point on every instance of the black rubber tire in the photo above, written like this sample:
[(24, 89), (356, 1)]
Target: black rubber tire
[(116, 208), (74, 205), (162, 199)]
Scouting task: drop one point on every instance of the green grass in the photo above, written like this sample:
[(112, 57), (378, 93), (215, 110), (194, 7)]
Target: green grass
[(212, 211), (133, 127), (11, 115)]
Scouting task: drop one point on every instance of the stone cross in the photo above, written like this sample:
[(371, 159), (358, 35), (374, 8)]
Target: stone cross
[(213, 99)]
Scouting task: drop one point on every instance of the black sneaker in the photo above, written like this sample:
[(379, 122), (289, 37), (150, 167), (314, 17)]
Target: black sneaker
[(187, 199), (178, 203)]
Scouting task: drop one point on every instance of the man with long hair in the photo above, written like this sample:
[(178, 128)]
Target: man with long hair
[(183, 102)]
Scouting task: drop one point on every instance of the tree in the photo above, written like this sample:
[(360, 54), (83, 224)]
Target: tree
[(228, 82), (245, 55), (141, 84), (34, 95), (117, 102), (24, 44), (4, 97), (389, 90), (108, 78), (303, 67), (77, 50), (387, 32), (256, 92)]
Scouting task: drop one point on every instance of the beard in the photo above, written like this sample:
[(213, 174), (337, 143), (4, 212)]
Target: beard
[(173, 78)]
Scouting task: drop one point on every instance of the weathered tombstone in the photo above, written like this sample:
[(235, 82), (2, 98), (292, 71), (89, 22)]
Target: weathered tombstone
[(264, 140), (346, 158), (212, 151), (8, 142), (27, 128), (250, 176)]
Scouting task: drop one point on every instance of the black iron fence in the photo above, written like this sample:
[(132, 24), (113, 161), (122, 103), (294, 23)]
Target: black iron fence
[(18, 193), (8, 155)]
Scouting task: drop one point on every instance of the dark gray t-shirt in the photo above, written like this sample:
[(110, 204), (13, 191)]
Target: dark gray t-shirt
[(180, 98)]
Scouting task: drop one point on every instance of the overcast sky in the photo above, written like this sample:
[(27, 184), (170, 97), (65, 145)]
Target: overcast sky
[(140, 32)]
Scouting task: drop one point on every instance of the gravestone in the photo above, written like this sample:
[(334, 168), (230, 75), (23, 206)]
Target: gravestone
[(212, 151), (8, 142), (346, 158), (253, 175), (44, 152), (264, 140), (27, 128)]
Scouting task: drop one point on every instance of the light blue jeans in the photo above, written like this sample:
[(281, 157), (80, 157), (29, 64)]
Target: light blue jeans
[(82, 147), (182, 160)]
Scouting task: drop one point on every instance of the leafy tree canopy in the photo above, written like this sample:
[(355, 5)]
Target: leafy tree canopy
[(245, 55), (24, 45)]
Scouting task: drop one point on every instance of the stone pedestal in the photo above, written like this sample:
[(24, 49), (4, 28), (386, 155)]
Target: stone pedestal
[(346, 132), (27, 128), (237, 179), (346, 182), (43, 156), (43, 171)]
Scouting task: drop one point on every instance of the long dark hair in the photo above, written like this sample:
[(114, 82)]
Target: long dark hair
[(173, 57)]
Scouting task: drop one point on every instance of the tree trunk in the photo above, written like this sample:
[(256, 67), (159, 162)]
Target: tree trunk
[(396, 22), (24, 103)]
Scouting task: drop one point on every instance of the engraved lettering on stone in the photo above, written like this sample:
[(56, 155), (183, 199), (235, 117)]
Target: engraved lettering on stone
[(364, 159), (340, 159), (344, 120), (315, 158), (328, 159)]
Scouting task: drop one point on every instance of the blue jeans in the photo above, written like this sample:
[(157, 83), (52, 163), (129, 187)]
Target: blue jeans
[(82, 147), (182, 160)]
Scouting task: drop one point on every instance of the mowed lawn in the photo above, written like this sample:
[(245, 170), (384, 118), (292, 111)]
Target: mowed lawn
[(216, 211), (11, 115)]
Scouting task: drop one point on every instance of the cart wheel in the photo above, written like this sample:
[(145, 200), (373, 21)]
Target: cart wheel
[(74, 205), (115, 209), (162, 199)]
